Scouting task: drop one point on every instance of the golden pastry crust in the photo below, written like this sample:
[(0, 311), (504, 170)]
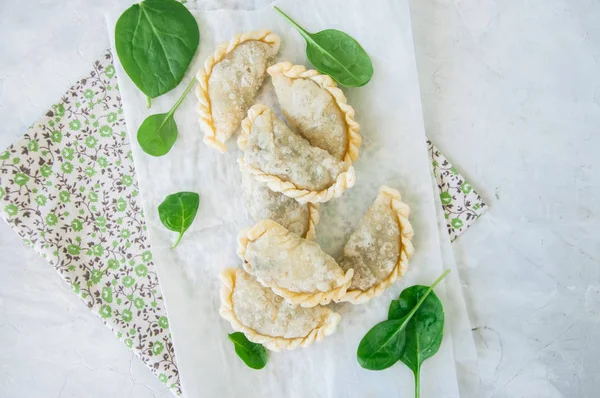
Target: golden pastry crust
[(211, 135), (401, 211), (281, 240), (327, 325), (327, 83), (344, 180)]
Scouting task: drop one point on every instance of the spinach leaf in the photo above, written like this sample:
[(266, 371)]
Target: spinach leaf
[(382, 346), (158, 132), (177, 212), (336, 54), (424, 331), (254, 355), (387, 342), (156, 41)]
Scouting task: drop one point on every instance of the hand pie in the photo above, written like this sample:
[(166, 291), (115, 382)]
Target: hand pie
[(229, 82), (379, 249), (267, 319), (288, 163), (316, 108), (295, 268), (264, 204)]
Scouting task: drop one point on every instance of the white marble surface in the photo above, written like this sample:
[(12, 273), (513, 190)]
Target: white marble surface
[(511, 94)]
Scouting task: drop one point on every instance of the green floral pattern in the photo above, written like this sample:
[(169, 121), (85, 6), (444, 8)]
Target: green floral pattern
[(68, 188), (462, 205)]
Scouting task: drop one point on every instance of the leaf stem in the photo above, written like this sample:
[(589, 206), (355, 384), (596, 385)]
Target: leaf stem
[(410, 314), (180, 100), (302, 31), (148, 102), (177, 241), (418, 382)]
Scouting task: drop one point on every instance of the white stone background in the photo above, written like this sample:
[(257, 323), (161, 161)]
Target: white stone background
[(511, 94)]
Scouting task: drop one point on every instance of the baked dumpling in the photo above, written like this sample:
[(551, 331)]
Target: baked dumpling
[(288, 163), (316, 108), (268, 319), (379, 249), (295, 268), (264, 204), (229, 83)]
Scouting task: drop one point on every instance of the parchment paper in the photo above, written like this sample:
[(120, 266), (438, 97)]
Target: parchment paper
[(455, 309), (393, 153)]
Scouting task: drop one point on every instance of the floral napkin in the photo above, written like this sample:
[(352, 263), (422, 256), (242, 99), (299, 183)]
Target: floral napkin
[(68, 187), (461, 204)]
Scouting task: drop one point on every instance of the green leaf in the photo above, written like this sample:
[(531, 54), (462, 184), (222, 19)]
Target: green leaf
[(424, 331), (177, 212), (394, 309), (336, 54), (156, 41), (382, 346), (386, 342), (254, 355), (158, 132)]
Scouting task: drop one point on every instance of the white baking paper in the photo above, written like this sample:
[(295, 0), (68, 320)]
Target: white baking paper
[(394, 153), (455, 309)]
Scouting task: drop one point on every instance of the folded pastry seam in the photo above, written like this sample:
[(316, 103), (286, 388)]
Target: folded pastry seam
[(344, 180), (313, 219)]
